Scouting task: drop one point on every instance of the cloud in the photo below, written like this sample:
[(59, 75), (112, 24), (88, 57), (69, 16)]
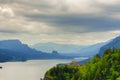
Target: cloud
[(60, 21), (78, 23), (6, 11)]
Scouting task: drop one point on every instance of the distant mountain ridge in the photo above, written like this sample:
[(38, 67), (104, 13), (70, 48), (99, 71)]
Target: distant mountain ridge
[(70, 50), (115, 43), (16, 45), (91, 50), (8, 55), (15, 50), (61, 48)]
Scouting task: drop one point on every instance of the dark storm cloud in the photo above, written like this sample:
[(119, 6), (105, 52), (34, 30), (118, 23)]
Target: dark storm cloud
[(8, 31), (57, 20), (70, 22), (78, 23)]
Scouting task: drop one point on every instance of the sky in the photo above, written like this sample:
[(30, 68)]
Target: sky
[(80, 22)]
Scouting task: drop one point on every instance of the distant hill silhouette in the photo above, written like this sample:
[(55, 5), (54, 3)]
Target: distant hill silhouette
[(90, 50), (14, 50), (61, 48), (114, 43)]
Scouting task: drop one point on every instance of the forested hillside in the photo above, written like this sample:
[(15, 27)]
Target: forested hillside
[(106, 67)]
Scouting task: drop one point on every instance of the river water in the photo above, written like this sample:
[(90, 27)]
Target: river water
[(30, 70)]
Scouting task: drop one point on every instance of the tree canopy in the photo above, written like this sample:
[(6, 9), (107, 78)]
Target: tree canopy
[(99, 68)]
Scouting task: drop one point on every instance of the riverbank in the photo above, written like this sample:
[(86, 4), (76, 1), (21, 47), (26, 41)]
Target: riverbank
[(29, 70)]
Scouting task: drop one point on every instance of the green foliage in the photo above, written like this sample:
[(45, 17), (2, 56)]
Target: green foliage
[(105, 68), (62, 72)]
